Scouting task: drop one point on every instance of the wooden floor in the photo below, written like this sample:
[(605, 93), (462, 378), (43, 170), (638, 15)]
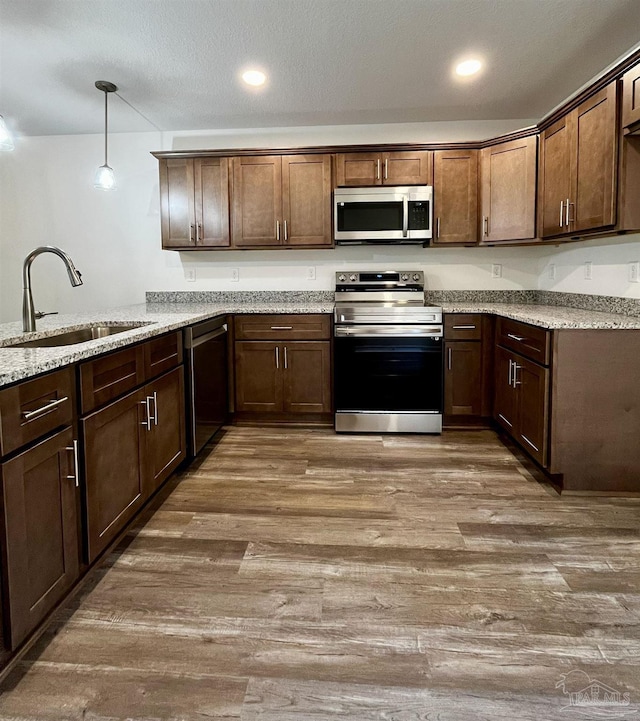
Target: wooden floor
[(296, 574)]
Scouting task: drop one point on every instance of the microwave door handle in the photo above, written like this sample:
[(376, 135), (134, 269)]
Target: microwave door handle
[(405, 216)]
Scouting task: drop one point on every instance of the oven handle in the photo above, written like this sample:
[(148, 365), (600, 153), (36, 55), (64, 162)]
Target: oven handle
[(389, 331)]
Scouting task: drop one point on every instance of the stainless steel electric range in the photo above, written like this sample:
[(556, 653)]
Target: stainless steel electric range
[(388, 354)]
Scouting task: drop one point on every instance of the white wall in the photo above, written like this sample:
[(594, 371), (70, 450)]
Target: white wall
[(609, 258), (47, 197)]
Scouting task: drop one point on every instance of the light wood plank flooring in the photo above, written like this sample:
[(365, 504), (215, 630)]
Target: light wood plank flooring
[(296, 574)]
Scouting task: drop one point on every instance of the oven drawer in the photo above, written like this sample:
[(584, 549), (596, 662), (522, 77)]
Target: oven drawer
[(463, 326), (282, 327), (529, 340)]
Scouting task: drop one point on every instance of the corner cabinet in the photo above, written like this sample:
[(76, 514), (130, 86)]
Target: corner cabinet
[(508, 191), (455, 197), (389, 168), (194, 203), (283, 367), (282, 201)]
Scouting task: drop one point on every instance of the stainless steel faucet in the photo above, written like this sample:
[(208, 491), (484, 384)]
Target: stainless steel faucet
[(29, 315)]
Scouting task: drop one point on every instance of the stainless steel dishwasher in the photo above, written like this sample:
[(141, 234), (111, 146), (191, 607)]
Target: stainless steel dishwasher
[(207, 403)]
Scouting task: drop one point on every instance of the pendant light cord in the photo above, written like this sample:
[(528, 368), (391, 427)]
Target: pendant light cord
[(137, 111), (106, 117)]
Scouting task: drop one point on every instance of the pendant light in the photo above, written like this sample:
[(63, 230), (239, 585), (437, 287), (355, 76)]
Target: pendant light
[(105, 179), (6, 141)]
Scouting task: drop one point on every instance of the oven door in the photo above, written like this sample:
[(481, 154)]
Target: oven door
[(389, 378)]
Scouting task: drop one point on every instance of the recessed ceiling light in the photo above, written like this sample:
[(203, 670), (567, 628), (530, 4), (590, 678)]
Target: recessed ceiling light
[(254, 77), (468, 67)]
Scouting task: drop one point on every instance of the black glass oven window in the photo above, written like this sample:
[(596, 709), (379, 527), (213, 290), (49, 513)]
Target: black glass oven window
[(353, 217), (388, 374)]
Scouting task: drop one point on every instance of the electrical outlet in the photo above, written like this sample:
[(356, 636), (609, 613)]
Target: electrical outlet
[(311, 272), (190, 275), (634, 272), (496, 270), (588, 270), (235, 275), (552, 271)]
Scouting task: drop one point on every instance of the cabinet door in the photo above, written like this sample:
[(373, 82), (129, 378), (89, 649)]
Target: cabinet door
[(505, 407), (532, 383), (257, 201), (555, 177), (40, 531), (455, 189), (407, 168), (177, 210), (358, 169), (508, 190), (166, 443), (211, 178), (114, 462), (306, 200), (463, 378), (258, 377), (631, 97), (594, 162), (307, 376)]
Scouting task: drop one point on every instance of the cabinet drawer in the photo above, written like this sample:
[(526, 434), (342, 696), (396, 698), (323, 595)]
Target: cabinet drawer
[(109, 376), (34, 408), (528, 340), (162, 354), (463, 326), (283, 327)]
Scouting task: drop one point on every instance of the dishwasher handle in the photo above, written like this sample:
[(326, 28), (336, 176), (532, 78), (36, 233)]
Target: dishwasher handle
[(191, 342)]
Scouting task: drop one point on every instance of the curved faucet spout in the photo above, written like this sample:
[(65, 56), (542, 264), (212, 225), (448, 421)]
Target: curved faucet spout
[(29, 315)]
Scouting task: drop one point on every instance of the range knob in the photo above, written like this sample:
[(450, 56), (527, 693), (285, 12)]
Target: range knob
[(353, 277), (342, 277), (416, 276), (404, 276)]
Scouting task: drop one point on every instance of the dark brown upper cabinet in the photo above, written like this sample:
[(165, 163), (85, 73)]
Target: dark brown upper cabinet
[(578, 167), (282, 201), (455, 197), (508, 190), (631, 100), (194, 202), (389, 168)]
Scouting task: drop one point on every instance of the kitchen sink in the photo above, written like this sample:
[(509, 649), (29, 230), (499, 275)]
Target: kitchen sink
[(75, 336)]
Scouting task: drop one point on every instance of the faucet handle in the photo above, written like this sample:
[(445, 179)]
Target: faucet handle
[(37, 315)]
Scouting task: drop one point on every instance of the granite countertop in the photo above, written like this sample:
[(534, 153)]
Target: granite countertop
[(155, 318), (548, 316)]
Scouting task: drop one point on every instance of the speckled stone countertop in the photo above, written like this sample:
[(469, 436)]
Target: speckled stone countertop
[(153, 319), (548, 316)]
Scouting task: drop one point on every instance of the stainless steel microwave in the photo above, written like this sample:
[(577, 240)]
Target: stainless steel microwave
[(391, 215)]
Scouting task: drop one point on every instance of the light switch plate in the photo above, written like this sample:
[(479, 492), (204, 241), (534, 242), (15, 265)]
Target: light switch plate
[(311, 272), (634, 272), (190, 275), (496, 270), (552, 271), (235, 274), (588, 270)]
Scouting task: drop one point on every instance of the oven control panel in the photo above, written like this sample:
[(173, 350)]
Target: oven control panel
[(386, 279)]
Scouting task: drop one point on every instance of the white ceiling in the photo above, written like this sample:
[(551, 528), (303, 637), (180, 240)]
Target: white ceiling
[(329, 61)]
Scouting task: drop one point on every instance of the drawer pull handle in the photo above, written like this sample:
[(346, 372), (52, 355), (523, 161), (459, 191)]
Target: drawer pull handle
[(519, 338), (52, 405), (449, 359), (524, 438), (505, 420), (76, 464), (281, 327), (464, 327), (147, 419)]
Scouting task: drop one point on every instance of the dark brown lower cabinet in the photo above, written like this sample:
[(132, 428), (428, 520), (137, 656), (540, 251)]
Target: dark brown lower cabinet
[(463, 378), (114, 451), (293, 377), (41, 531), (131, 447), (522, 402), (166, 447)]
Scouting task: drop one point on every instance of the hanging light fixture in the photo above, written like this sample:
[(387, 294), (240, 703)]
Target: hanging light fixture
[(105, 179), (6, 140)]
